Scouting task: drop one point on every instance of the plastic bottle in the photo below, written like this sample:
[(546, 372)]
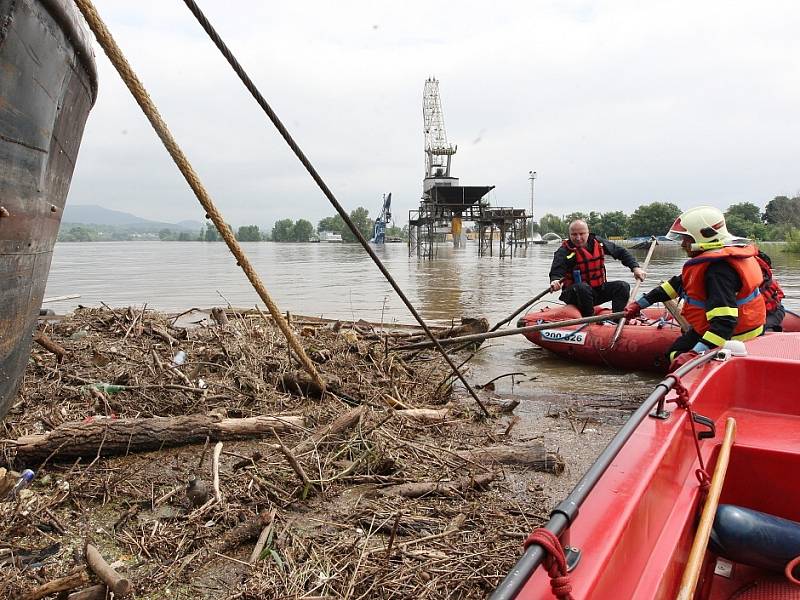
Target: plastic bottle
[(107, 388), (24, 481), (179, 358)]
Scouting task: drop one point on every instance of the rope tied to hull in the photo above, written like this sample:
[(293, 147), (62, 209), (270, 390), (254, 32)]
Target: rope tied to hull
[(555, 562), (682, 401)]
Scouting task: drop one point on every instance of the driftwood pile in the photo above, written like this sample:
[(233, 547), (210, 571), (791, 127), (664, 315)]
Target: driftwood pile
[(198, 462)]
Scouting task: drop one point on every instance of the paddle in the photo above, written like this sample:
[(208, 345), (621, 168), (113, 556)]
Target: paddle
[(695, 561), (672, 307), (520, 309), (635, 291), (495, 334)]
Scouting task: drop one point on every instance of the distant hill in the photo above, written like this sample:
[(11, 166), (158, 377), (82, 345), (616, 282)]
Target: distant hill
[(88, 214)]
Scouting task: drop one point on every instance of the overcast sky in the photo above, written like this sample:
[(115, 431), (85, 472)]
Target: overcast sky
[(614, 103)]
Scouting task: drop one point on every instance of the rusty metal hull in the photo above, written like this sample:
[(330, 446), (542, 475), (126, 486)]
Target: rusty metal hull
[(48, 85)]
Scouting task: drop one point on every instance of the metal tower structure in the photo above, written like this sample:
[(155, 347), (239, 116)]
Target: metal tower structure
[(438, 153), (379, 230)]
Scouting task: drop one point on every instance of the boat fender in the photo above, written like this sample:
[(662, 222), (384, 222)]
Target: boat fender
[(754, 538)]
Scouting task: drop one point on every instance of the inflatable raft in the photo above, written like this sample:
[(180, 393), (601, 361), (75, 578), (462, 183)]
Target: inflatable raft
[(629, 524), (641, 346)]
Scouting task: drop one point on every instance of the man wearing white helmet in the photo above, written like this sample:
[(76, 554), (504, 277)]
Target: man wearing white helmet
[(719, 284)]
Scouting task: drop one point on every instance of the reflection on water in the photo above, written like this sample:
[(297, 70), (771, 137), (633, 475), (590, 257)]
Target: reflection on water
[(340, 280)]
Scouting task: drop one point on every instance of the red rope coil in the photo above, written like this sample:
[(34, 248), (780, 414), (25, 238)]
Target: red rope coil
[(555, 562)]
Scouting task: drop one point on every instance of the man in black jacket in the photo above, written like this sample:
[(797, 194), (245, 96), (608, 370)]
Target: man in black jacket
[(579, 269)]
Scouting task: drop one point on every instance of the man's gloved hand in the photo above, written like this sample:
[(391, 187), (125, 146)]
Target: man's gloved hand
[(682, 359), (632, 309)]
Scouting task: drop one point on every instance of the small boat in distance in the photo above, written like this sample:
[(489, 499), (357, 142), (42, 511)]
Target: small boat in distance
[(48, 84), (329, 236)]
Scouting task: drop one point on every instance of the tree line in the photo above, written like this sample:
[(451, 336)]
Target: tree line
[(779, 221)]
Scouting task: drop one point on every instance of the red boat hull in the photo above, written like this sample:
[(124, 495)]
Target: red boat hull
[(642, 345), (637, 524)]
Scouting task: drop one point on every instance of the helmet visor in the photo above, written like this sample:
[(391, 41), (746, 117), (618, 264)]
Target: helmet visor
[(678, 237)]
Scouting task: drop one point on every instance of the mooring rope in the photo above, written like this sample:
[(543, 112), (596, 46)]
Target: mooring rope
[(248, 83), (141, 96)]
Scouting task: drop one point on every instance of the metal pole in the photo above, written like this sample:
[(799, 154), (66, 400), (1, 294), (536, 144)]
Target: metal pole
[(533, 179)]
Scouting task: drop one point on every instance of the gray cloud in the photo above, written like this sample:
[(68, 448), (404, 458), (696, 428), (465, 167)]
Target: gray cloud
[(614, 104)]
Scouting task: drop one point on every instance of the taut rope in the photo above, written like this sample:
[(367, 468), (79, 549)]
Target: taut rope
[(141, 96), (248, 83)]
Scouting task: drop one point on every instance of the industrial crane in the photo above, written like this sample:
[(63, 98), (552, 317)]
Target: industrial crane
[(379, 231), (436, 146)]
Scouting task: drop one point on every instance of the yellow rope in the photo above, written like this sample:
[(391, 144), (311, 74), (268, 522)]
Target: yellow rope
[(141, 96)]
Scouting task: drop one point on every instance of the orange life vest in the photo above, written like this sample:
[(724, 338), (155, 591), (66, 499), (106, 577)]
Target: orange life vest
[(750, 303), (770, 290), (591, 265)]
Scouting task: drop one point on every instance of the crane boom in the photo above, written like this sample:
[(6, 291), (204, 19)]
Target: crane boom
[(438, 152)]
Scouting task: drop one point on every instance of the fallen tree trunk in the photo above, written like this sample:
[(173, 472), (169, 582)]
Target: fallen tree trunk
[(338, 425), (77, 578), (108, 437), (244, 532), (425, 415), (438, 488), (531, 455)]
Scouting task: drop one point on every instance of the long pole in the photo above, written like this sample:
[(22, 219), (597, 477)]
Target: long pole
[(695, 561), (536, 298), (635, 291), (533, 179), (495, 334)]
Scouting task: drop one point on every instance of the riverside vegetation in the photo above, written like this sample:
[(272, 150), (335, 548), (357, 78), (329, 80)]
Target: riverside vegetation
[(780, 221)]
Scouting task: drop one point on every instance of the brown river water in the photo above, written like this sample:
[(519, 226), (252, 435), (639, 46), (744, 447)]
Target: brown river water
[(340, 281)]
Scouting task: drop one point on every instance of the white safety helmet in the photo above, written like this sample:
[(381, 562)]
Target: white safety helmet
[(705, 225)]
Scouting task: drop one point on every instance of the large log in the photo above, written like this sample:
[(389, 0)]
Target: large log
[(340, 424), (438, 488), (531, 455), (108, 437), (77, 578)]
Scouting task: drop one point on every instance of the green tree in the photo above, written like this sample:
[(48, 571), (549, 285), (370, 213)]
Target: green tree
[(783, 210), (185, 236), (211, 234), (397, 232), (613, 224), (166, 234), (81, 234), (595, 222), (652, 219), (302, 230), (248, 233), (360, 218), (334, 224), (746, 211), (283, 231), (552, 224), (574, 216)]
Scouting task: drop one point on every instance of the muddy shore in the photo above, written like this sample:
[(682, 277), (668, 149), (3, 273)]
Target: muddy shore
[(391, 485)]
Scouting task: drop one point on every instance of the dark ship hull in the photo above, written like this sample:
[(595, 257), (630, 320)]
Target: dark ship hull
[(48, 84)]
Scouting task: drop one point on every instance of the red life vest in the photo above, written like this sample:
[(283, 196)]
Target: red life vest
[(750, 303), (772, 292), (590, 264)]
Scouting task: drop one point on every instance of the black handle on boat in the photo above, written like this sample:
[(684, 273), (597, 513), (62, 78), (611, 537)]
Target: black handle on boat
[(563, 514), (494, 334), (536, 298)]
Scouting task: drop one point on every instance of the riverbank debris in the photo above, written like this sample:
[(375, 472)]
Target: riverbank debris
[(305, 498)]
